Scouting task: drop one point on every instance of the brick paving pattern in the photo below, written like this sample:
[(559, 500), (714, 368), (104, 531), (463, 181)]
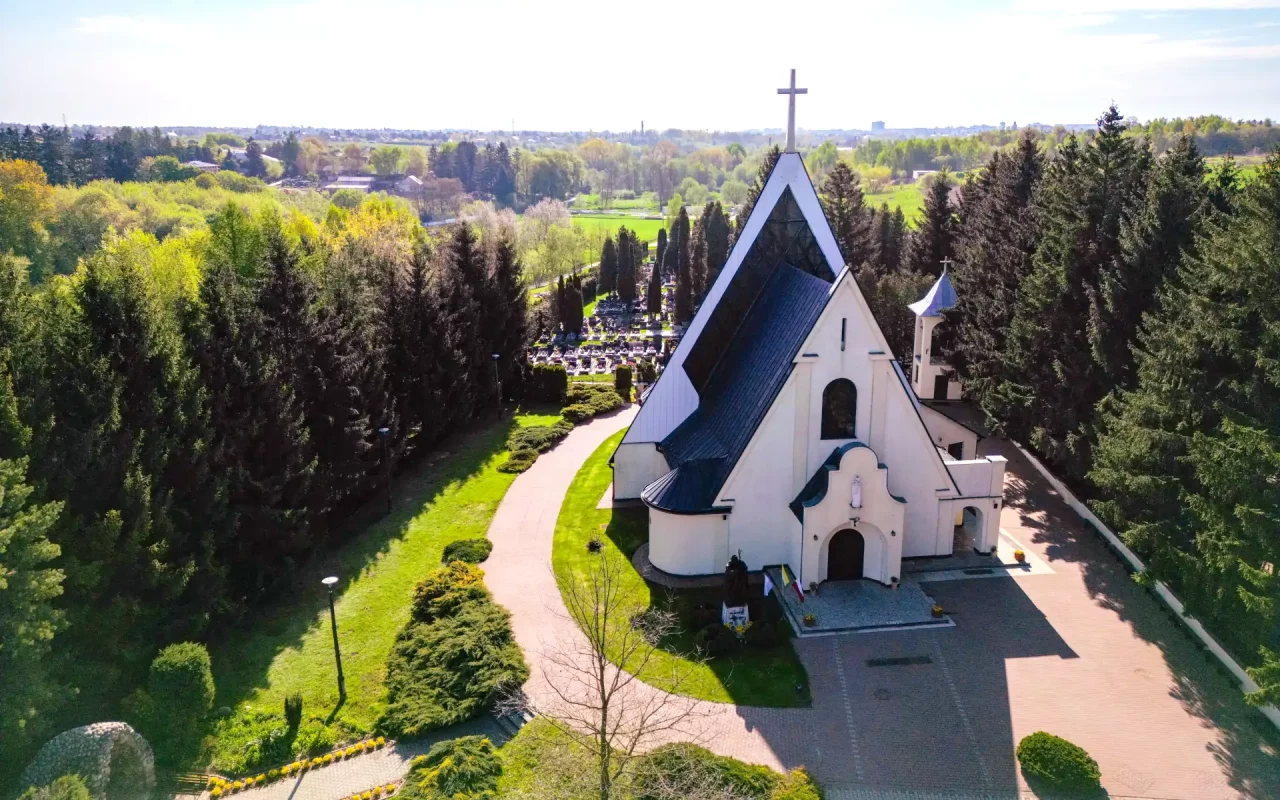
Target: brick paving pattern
[(1078, 650)]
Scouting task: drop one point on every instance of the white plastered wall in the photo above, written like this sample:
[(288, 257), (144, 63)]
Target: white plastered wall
[(689, 544), (635, 466), (946, 432), (922, 370), (879, 520)]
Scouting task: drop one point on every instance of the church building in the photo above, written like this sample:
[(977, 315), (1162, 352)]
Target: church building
[(783, 429)]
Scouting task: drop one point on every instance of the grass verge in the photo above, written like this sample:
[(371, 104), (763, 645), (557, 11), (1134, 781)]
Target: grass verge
[(766, 677), (289, 647)]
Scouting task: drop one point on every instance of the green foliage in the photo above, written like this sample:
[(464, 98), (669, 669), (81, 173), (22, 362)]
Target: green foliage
[(28, 618), (68, 787), (538, 438), (586, 400), (253, 740), (467, 768), (451, 669), (314, 738), (293, 709), (180, 686), (683, 769), (472, 551), (1057, 762), (447, 589), (347, 198), (797, 785), (519, 461), (550, 383), (622, 382)]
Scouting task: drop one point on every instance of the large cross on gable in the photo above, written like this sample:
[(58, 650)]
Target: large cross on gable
[(791, 111)]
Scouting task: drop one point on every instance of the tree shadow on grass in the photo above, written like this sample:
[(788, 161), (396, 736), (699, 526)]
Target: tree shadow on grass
[(1248, 746), (244, 653)]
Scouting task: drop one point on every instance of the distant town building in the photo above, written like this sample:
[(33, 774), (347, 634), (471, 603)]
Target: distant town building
[(917, 174), (877, 126), (201, 166)]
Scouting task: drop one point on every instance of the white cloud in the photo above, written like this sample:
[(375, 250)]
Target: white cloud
[(134, 27)]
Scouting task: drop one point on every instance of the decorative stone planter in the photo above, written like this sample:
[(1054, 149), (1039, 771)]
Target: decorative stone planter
[(1019, 556), (810, 620), (937, 612)]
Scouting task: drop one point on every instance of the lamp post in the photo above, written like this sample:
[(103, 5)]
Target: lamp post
[(329, 583), (385, 435), (497, 380)]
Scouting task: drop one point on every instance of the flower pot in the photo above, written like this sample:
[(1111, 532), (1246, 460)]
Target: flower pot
[(937, 612), (1019, 556)]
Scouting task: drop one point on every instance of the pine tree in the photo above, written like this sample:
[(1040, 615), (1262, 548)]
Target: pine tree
[(931, 242), (653, 290), (28, 617), (1179, 457), (626, 265), (608, 266), (716, 233), (851, 221), (767, 164), (995, 240), (1054, 379), (698, 261), (662, 248), (679, 250)]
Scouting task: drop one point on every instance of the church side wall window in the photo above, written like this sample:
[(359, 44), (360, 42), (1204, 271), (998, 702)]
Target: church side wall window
[(839, 409)]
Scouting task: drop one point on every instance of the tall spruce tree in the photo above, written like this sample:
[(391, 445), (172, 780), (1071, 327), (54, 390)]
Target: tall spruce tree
[(851, 221), (698, 261), (626, 265), (891, 235), (1055, 379), (678, 247), (932, 241), (716, 234), (767, 164), (653, 290), (995, 240), (608, 266), (662, 248), (1181, 457)]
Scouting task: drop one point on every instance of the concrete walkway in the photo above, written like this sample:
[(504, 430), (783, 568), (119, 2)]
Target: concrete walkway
[(1076, 649)]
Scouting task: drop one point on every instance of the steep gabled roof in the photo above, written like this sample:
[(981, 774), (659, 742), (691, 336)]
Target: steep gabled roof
[(744, 383), (798, 235)]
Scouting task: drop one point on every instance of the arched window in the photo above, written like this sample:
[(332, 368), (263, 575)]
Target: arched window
[(839, 409)]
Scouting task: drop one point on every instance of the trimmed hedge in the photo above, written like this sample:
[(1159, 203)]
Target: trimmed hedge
[(453, 658), (548, 384), (526, 444), (455, 768), (472, 551), (586, 400), (622, 382), (1057, 763)]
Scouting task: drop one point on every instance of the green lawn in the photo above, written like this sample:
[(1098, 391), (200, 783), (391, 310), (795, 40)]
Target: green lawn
[(289, 647), (908, 197), (750, 677), (646, 229)]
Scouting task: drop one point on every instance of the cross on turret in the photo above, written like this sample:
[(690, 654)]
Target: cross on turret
[(791, 111)]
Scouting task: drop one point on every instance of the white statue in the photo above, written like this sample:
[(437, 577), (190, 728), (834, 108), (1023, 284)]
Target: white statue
[(855, 498)]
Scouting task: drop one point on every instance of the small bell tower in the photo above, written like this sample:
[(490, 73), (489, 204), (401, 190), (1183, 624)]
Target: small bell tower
[(931, 377)]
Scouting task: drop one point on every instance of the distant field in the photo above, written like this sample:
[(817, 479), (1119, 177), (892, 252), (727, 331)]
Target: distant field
[(907, 197), (1248, 165), (647, 229)]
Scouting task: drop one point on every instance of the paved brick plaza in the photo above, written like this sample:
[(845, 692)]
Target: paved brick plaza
[(1081, 652)]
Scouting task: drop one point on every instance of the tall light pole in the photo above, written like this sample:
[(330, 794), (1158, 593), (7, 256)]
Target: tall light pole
[(329, 583), (385, 435), (497, 380)]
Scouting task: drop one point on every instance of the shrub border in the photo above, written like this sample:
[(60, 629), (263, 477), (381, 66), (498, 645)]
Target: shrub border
[(1130, 561), (228, 786)]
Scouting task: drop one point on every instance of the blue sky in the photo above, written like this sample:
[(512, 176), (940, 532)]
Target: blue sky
[(600, 65)]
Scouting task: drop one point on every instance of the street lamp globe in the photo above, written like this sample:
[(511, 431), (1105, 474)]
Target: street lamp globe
[(330, 581)]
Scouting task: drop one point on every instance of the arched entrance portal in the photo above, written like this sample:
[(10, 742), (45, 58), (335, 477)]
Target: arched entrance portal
[(845, 555)]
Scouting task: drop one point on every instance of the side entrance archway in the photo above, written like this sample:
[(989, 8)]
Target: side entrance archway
[(845, 555)]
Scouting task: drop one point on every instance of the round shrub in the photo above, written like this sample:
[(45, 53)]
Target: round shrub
[(1057, 762), (473, 551), (796, 785), (447, 589), (518, 461), (181, 687)]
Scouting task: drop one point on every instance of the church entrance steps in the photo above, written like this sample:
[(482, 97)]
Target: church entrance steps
[(861, 606), (964, 565)]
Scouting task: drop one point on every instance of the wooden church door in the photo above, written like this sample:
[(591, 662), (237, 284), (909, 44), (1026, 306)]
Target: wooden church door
[(844, 556)]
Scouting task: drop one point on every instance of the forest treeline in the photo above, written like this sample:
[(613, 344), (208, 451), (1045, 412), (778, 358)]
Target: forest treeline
[(1117, 313), (183, 423)]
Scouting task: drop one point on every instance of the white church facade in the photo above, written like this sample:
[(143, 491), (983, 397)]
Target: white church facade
[(784, 430)]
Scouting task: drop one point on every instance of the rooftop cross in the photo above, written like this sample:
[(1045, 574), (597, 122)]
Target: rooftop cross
[(947, 264), (791, 111)]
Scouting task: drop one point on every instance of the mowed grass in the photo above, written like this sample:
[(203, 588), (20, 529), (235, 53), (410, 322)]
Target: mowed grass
[(646, 229), (908, 197), (289, 647), (749, 677)]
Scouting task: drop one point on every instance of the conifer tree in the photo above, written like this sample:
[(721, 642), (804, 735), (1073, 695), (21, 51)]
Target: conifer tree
[(678, 247), (1179, 458), (716, 233), (995, 240), (891, 229), (626, 265), (769, 161), (851, 221), (1054, 379), (931, 242), (662, 248), (698, 261), (510, 334), (608, 266), (653, 290)]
